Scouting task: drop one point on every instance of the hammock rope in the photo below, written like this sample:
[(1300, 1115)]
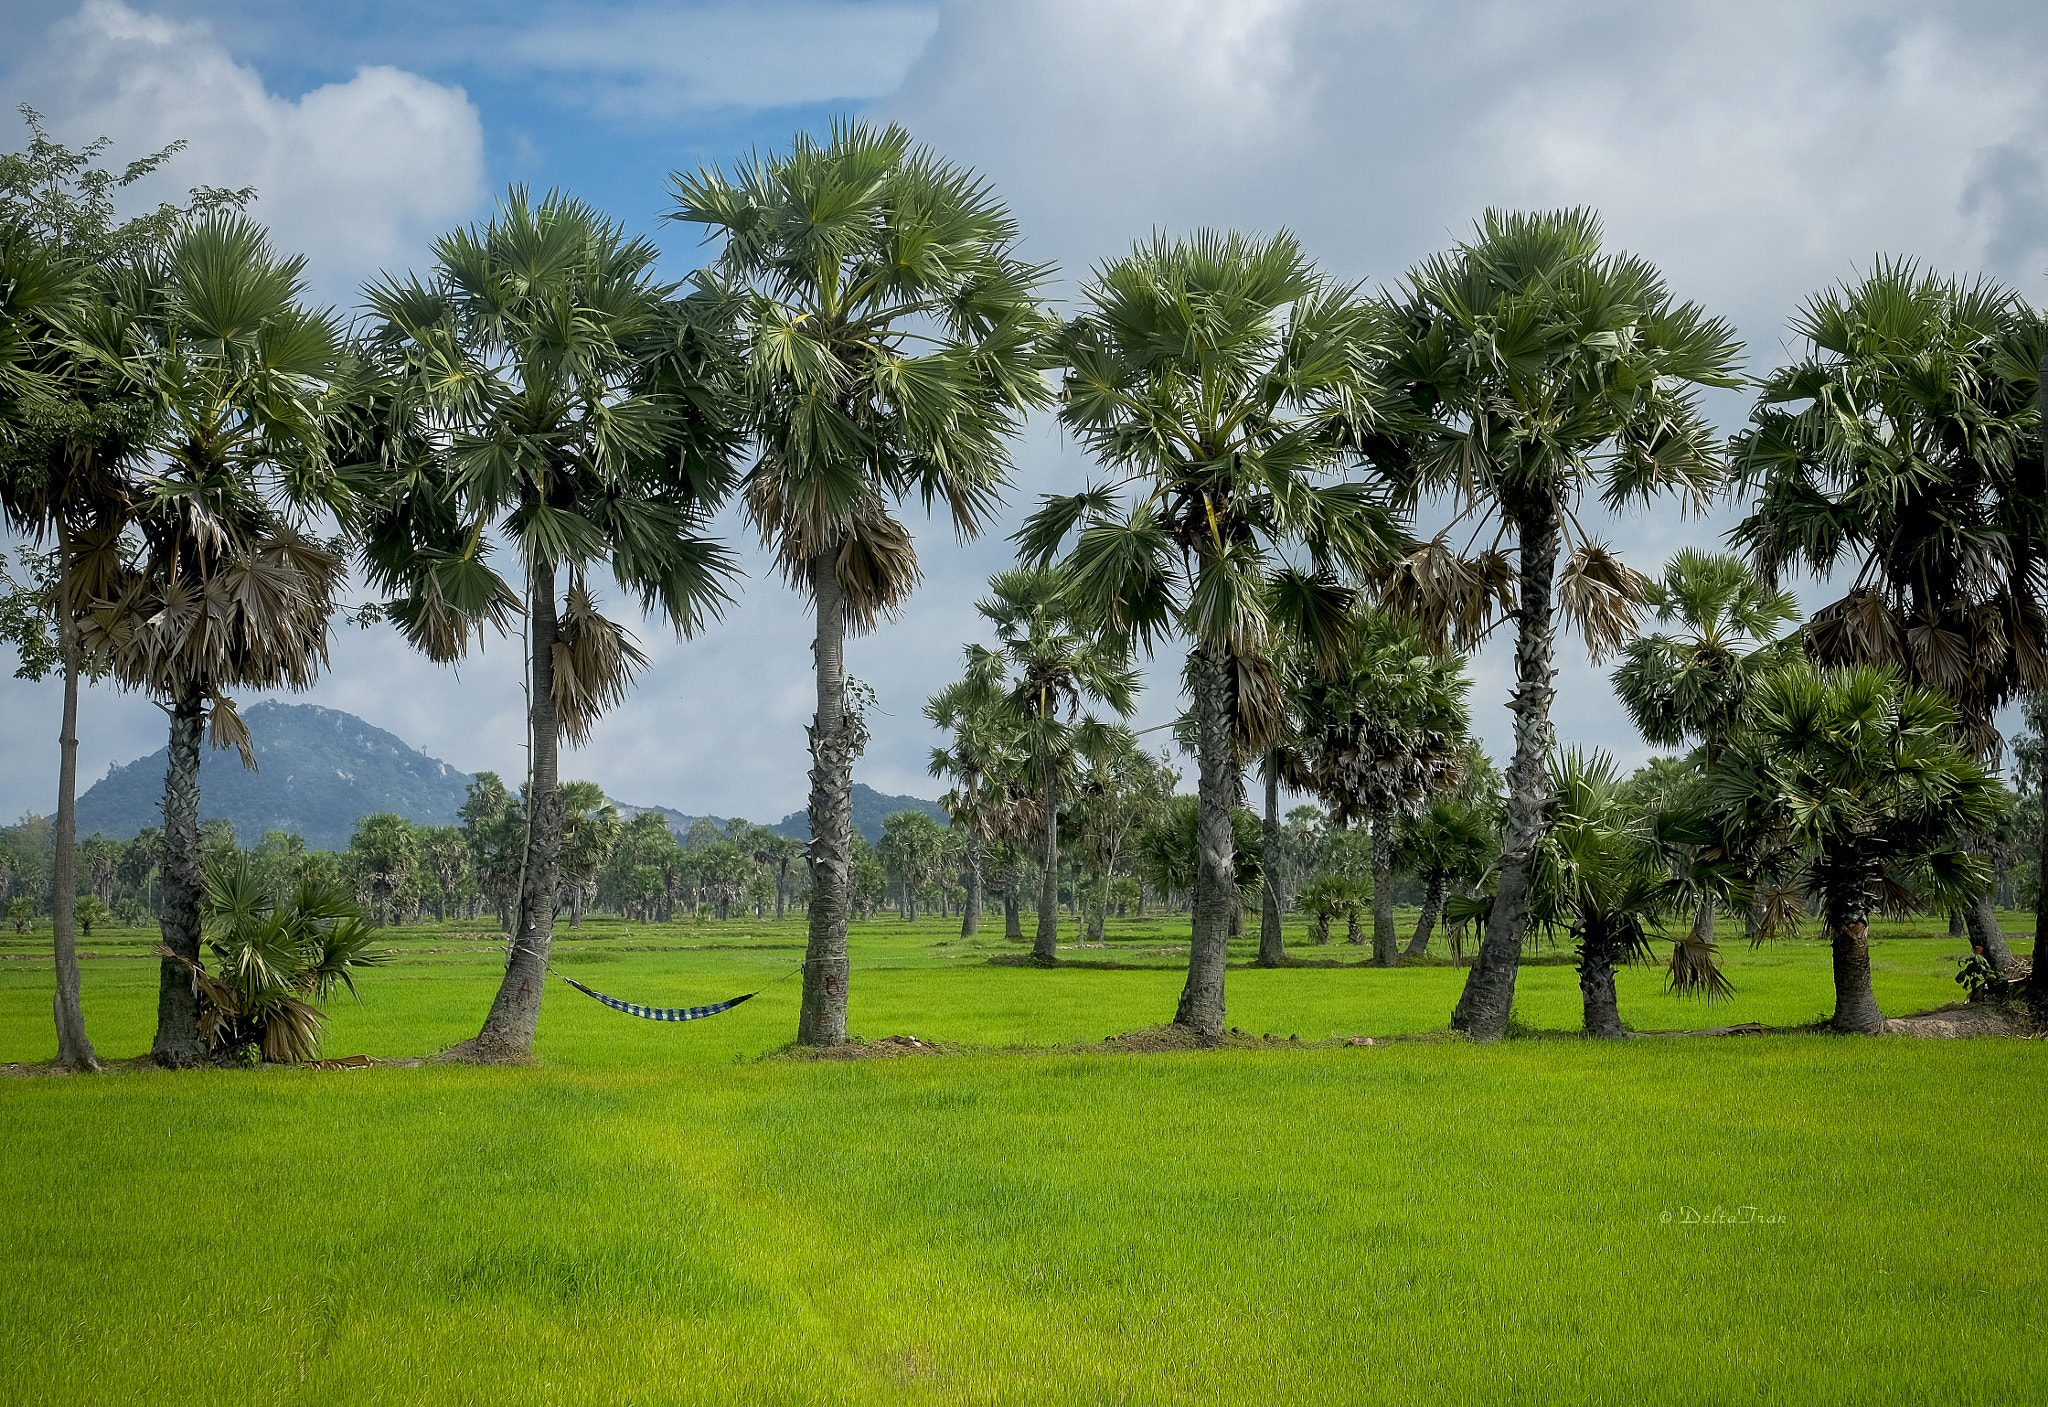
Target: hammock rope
[(668, 1013)]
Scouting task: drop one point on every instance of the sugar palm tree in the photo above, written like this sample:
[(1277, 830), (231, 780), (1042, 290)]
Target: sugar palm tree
[(1903, 445), (1047, 665), (1540, 367), (1853, 786), (1221, 375), (1450, 842), (1381, 737), (213, 583), (541, 383), (1689, 687), (892, 335), (986, 739)]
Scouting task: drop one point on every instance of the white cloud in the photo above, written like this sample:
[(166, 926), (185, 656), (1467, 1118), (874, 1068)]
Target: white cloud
[(650, 60), (356, 175)]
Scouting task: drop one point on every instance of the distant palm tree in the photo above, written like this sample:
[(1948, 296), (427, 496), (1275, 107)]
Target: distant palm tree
[(580, 409), (1381, 736), (1449, 843), (892, 336), (1904, 444), (986, 741), (1047, 663), (1224, 375), (1690, 687), (1540, 367)]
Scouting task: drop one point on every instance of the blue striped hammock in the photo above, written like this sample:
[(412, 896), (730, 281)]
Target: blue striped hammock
[(658, 1013)]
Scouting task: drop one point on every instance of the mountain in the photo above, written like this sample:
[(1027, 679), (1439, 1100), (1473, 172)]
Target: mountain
[(869, 807), (321, 771)]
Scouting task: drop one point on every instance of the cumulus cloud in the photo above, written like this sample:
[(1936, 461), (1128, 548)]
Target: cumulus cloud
[(647, 60), (356, 175)]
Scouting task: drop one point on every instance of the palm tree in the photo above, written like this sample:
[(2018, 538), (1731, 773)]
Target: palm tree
[(1381, 738), (68, 436), (1538, 367), (1223, 374), (1690, 687), (1602, 872), (213, 583), (580, 409), (986, 741), (1047, 662), (1451, 842), (1853, 785), (892, 339), (1904, 445)]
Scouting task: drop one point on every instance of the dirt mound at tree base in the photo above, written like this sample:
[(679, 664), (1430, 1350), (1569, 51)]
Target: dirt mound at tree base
[(1959, 1021)]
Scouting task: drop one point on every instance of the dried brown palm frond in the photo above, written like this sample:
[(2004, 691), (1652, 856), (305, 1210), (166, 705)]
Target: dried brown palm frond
[(225, 729), (1695, 970), (1453, 600), (877, 564), (1780, 909), (595, 660), (1602, 596), (1858, 629)]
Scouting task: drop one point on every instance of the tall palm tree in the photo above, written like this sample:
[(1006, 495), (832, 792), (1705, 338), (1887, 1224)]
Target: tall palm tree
[(1689, 687), (541, 384), (1854, 785), (1379, 739), (1221, 375), (213, 584), (1903, 444), (68, 434), (1046, 664), (892, 351), (1539, 367)]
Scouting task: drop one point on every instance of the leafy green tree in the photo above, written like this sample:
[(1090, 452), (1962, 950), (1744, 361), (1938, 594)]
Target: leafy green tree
[(21, 913), (985, 739), (912, 844), (1119, 790), (1904, 445), (1222, 375), (1169, 850), (91, 909), (584, 418), (1851, 784), (444, 854), (1539, 367), (494, 828), (1331, 897), (892, 351)]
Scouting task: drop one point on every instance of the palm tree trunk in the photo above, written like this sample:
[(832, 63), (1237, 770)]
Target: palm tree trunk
[(835, 739), (1272, 945), (507, 1034), (1045, 943), (177, 1004), (1013, 917), (970, 912), (1425, 922), (1981, 917), (1385, 945), (2037, 980), (1596, 988), (1847, 908), (74, 1050), (1703, 920), (576, 905), (1489, 997), (1201, 1000)]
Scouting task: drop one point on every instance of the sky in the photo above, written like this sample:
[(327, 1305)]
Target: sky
[(1756, 153)]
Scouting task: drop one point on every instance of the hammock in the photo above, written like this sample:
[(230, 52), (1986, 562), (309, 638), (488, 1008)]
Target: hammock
[(658, 1013)]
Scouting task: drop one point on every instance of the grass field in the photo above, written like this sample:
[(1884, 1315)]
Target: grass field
[(654, 1215)]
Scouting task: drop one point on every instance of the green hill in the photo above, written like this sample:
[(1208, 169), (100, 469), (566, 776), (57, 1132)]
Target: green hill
[(869, 807), (321, 770)]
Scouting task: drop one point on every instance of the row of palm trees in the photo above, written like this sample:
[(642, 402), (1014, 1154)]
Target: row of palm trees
[(178, 420)]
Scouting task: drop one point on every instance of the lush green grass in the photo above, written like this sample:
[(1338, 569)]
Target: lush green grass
[(641, 1219)]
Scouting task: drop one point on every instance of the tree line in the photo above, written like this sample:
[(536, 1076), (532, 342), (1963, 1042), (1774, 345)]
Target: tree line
[(202, 456)]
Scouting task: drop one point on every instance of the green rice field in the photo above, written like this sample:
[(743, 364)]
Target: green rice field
[(653, 1213)]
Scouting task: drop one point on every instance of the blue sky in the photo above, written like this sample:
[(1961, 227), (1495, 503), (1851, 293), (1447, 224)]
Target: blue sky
[(1755, 151)]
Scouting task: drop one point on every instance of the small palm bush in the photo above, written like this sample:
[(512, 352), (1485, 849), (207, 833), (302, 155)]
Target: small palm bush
[(276, 954)]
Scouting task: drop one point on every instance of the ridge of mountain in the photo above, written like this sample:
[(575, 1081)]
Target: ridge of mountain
[(320, 771)]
